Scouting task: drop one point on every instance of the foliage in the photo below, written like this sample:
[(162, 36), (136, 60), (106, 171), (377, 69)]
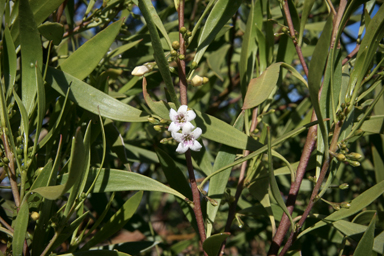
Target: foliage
[(292, 156)]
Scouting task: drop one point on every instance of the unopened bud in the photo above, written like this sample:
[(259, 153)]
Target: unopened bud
[(181, 57), (175, 45), (5, 160), (354, 163), (355, 156), (336, 207), (140, 70), (345, 205), (152, 120), (205, 80), (158, 128), (340, 157), (198, 80), (343, 186), (183, 30), (173, 52), (358, 132), (35, 216), (189, 34), (163, 121), (194, 65)]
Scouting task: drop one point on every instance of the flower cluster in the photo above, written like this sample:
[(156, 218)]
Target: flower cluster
[(187, 138)]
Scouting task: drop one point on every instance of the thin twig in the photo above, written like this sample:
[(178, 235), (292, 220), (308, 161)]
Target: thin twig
[(324, 169), (240, 184), (292, 31), (184, 101), (294, 190)]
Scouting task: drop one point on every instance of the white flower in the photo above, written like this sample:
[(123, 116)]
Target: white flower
[(141, 70), (180, 118), (187, 138)]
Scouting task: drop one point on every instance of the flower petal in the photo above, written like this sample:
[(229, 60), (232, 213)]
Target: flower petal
[(173, 127), (182, 109), (196, 146), (196, 133), (172, 114), (190, 115), (187, 128), (177, 136), (181, 149)]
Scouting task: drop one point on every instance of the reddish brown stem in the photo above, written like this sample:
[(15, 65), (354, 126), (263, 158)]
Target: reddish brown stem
[(240, 184), (292, 32), (285, 223), (184, 101)]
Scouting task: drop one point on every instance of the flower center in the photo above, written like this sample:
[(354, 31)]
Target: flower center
[(188, 139), (180, 118)]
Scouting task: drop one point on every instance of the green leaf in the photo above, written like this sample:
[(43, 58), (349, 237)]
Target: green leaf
[(364, 247), (40, 105), (31, 54), (92, 99), (111, 180), (219, 182), (52, 31), (8, 60), (378, 164), (121, 49), (24, 126), (364, 58), (261, 87), (79, 162), (75, 170), (274, 187), (304, 17), (375, 125), (161, 60), (85, 59), (117, 221), (378, 243), (159, 24), (249, 47), (68, 230), (216, 59), (20, 228), (357, 204), (218, 17), (212, 244)]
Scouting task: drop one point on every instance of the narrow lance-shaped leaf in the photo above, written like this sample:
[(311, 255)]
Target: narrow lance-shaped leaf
[(92, 99), (31, 53), (85, 59), (21, 225), (160, 58)]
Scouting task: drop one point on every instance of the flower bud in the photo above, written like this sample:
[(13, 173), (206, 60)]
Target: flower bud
[(336, 207), (152, 120), (163, 121), (340, 157), (183, 30), (35, 216), (354, 163), (197, 80), (189, 34), (355, 156), (358, 132), (140, 70), (343, 186), (194, 65), (181, 57), (345, 205), (173, 52), (175, 45), (158, 128), (5, 160), (205, 80)]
